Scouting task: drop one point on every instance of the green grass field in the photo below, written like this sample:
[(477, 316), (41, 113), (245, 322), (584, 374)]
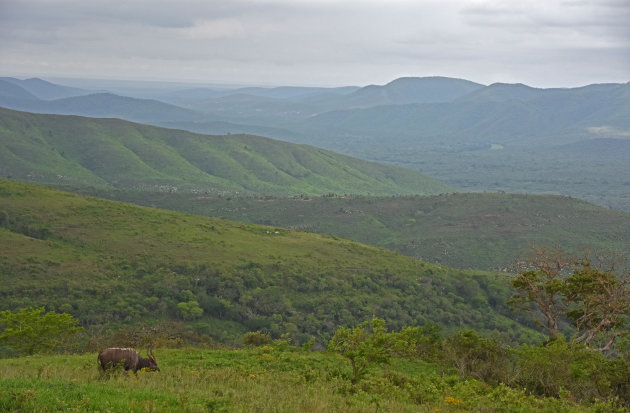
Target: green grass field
[(264, 379)]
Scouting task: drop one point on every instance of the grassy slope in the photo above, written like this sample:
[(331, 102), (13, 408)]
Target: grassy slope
[(265, 379), (111, 263), (81, 152), (481, 231)]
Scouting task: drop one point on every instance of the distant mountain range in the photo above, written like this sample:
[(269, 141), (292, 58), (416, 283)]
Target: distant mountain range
[(249, 103), (501, 114), (501, 137), (112, 153)]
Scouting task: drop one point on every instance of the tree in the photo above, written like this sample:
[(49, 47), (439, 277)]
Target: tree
[(32, 330), (190, 310), (364, 344), (603, 305), (595, 298), (543, 283)]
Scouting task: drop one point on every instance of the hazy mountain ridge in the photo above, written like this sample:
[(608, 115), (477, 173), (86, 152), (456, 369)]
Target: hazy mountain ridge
[(407, 90), (507, 115), (9, 90), (43, 89), (104, 105)]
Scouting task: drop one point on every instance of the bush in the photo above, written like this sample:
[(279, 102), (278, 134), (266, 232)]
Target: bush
[(421, 342), (364, 344), (256, 338), (476, 356), (31, 330), (558, 366), (189, 310)]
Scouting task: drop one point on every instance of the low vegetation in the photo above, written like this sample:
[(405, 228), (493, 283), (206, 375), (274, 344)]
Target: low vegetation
[(399, 371)]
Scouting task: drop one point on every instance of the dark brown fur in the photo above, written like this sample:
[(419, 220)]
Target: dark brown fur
[(111, 357)]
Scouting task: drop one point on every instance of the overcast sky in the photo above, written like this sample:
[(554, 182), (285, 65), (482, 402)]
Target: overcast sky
[(543, 43)]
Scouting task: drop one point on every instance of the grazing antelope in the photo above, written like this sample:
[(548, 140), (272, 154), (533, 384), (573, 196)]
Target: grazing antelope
[(110, 357)]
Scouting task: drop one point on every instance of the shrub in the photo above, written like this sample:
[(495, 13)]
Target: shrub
[(476, 356), (559, 366), (364, 344), (256, 338), (31, 330)]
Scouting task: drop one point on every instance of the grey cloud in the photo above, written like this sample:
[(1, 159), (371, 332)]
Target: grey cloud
[(316, 41)]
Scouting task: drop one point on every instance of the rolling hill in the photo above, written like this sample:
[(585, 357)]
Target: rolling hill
[(111, 153), (480, 231), (112, 264)]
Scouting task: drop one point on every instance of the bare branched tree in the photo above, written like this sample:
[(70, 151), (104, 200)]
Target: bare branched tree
[(590, 292), (541, 281)]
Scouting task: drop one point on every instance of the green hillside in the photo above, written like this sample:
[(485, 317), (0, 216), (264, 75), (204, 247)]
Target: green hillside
[(480, 231), (111, 264), (111, 153)]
